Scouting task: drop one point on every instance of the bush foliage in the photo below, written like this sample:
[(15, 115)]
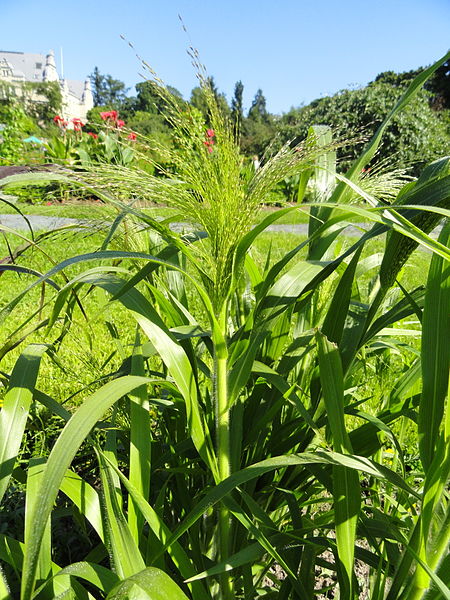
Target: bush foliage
[(414, 137)]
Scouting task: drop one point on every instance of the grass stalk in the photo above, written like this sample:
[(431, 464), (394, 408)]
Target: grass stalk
[(223, 445)]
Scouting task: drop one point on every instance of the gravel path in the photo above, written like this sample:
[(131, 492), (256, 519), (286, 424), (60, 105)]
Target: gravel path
[(39, 223)]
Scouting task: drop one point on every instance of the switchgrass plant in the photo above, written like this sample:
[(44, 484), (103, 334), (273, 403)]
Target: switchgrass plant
[(234, 453)]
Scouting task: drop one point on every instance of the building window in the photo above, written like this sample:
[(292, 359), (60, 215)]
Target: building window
[(38, 65)]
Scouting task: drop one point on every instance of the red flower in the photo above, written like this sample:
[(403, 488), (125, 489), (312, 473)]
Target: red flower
[(132, 136), (110, 114), (120, 123), (48, 203), (208, 143), (210, 149), (93, 135), (210, 133), (59, 121), (77, 124)]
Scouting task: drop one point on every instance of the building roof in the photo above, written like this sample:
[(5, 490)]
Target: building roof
[(25, 65), (76, 87)]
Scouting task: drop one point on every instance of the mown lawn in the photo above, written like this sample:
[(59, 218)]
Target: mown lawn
[(99, 329)]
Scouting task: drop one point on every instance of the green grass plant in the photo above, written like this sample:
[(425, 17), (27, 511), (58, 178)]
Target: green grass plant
[(239, 446)]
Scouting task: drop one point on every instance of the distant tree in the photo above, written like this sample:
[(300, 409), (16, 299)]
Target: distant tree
[(148, 124), (256, 136), (439, 86), (212, 84), (97, 84), (106, 90), (258, 129), (198, 99), (258, 109), (149, 100), (128, 107), (115, 91), (396, 79), (237, 109)]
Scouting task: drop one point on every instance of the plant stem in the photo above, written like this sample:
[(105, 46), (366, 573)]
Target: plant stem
[(223, 419), (223, 448)]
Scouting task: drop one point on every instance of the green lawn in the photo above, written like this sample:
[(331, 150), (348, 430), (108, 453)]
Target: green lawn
[(89, 345)]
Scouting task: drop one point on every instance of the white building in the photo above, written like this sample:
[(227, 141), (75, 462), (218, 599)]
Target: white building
[(19, 67)]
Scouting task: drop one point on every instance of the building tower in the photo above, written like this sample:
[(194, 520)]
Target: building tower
[(50, 72), (87, 99)]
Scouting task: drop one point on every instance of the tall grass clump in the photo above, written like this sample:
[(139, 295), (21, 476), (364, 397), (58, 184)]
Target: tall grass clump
[(241, 447)]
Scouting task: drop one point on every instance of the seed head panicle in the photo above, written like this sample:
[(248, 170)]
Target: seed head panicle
[(202, 173)]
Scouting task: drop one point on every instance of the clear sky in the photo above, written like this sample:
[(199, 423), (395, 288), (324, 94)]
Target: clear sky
[(294, 51)]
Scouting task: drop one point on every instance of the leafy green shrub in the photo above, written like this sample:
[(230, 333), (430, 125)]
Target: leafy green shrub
[(16, 125), (415, 136)]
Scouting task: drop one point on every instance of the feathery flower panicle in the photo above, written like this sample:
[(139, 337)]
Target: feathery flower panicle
[(205, 180)]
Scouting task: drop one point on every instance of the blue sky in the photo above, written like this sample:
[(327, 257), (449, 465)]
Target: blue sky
[(294, 50)]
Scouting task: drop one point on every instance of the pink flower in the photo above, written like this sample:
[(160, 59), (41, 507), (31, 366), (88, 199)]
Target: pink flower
[(48, 203), (120, 123), (105, 115), (209, 142), (132, 136)]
